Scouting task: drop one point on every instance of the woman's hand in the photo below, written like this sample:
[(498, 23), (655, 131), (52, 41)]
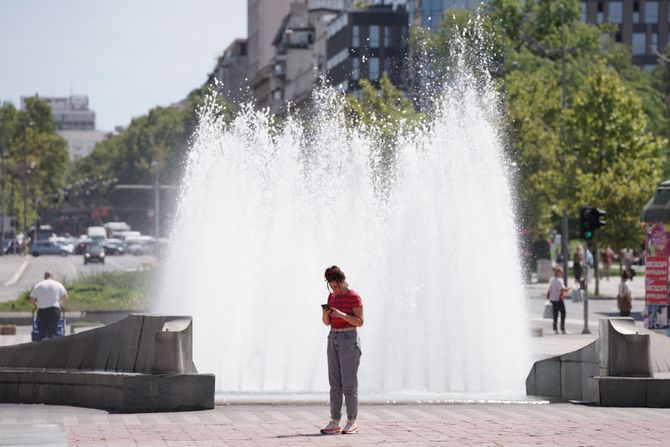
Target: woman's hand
[(337, 313), (325, 317)]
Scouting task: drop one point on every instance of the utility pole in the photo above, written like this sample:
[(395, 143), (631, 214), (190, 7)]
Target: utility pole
[(586, 290), (564, 239)]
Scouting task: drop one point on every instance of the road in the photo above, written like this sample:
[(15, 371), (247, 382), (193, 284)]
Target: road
[(18, 273)]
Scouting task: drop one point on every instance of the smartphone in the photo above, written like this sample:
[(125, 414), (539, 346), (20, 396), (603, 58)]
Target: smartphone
[(325, 307)]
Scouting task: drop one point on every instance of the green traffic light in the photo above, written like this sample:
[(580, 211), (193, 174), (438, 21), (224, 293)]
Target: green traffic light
[(588, 234)]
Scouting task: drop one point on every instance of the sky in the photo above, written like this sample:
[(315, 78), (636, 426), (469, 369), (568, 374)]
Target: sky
[(127, 56)]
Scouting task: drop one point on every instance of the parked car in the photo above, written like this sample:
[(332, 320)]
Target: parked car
[(94, 253), (11, 246), (47, 248), (64, 243), (113, 247), (143, 245)]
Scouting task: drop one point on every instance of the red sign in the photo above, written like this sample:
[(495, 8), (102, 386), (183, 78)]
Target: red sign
[(656, 280)]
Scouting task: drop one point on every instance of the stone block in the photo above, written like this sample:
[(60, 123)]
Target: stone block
[(571, 381), (589, 370), (531, 389), (621, 391), (548, 378), (153, 324), (658, 393)]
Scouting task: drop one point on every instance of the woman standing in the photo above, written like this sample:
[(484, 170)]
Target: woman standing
[(625, 296), (343, 313)]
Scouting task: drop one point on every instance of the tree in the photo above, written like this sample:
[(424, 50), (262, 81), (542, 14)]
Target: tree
[(616, 161), (161, 136), (37, 156)]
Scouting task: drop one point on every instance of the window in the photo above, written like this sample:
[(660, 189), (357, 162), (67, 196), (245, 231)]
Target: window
[(355, 36), (636, 12), (583, 11), (654, 42), (616, 12), (387, 36), (336, 25), (340, 57), (639, 43), (600, 16), (374, 36), (355, 69), (388, 66), (651, 11), (373, 69)]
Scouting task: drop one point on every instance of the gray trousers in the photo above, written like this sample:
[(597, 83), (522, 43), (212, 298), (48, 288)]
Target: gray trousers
[(344, 356)]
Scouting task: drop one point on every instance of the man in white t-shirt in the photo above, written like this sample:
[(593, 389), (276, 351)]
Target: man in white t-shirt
[(555, 294), (47, 297)]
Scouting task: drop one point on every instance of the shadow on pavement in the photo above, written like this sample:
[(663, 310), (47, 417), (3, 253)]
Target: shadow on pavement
[(301, 435)]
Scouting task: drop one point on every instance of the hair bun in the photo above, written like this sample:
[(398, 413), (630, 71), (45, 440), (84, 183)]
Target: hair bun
[(334, 273)]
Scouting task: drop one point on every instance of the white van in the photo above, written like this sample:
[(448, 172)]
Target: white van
[(98, 234)]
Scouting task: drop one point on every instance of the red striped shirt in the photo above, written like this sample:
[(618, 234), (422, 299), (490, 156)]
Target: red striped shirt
[(344, 303)]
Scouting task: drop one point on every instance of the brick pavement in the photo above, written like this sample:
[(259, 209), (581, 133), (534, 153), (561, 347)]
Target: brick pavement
[(389, 425)]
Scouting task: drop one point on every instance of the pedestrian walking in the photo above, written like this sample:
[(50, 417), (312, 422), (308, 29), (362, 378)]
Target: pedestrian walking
[(555, 295), (344, 314), (624, 297), (47, 297), (590, 267), (577, 261), (627, 255)]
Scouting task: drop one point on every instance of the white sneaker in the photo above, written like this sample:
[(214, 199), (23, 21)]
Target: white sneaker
[(332, 428), (350, 428)]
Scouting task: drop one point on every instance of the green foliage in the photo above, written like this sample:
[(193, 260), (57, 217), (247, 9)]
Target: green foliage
[(100, 291), (37, 157), (587, 153), (162, 135), (616, 162)]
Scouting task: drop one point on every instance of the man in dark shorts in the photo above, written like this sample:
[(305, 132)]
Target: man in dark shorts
[(47, 297)]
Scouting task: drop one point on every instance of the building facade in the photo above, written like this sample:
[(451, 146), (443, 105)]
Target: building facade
[(70, 112), (75, 122), (643, 25), (365, 44), (428, 13), (299, 58), (263, 19), (230, 75)]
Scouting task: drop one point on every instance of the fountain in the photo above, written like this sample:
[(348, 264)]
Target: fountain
[(429, 243)]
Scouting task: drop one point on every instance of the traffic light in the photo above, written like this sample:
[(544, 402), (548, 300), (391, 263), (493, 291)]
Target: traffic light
[(590, 219)]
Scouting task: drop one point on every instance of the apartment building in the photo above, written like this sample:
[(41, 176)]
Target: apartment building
[(75, 122), (365, 44), (230, 75), (643, 25)]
